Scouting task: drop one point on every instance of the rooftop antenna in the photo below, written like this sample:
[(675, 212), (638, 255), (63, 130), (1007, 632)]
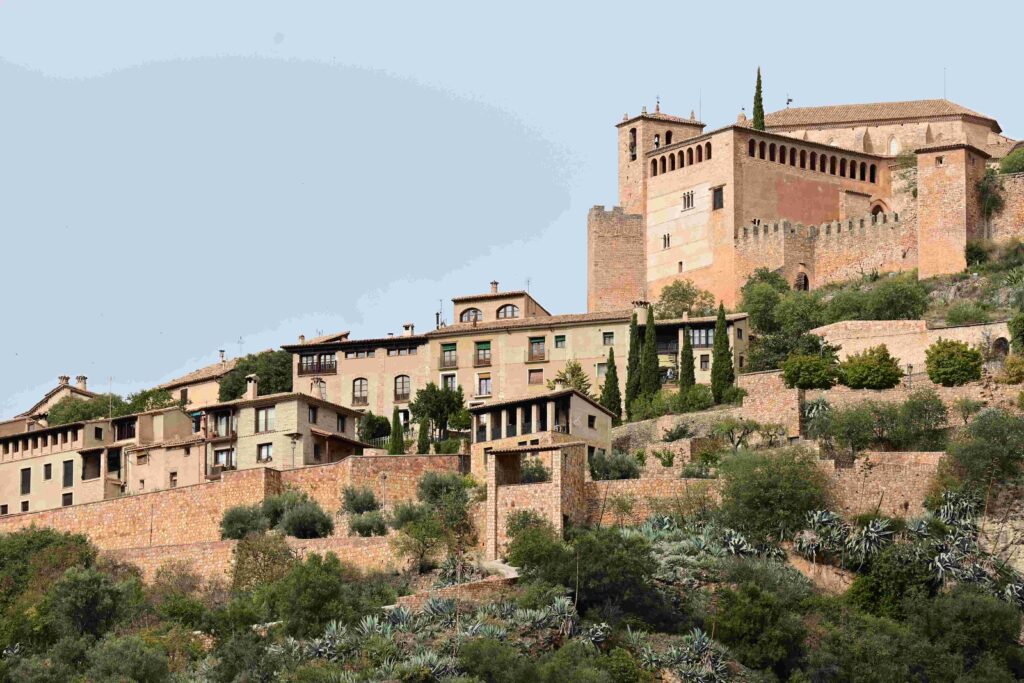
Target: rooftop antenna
[(527, 285), (789, 100), (241, 342)]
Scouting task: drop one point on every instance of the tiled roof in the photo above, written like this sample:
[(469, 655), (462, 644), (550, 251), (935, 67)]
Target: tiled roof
[(283, 396), (537, 448), (73, 389), (394, 339), (215, 371), (544, 396), (661, 116), (870, 112), (952, 146), (489, 295), (324, 339), (540, 321), (170, 443), (337, 435)]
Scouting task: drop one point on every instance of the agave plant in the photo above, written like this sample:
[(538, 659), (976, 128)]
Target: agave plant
[(735, 543), (648, 658), (10, 651), (563, 612), (530, 618), (440, 610), (1014, 594), (919, 528), (493, 631), (698, 661), (373, 624), (816, 408), (427, 662), (634, 640), (595, 634), (958, 508), (866, 542)]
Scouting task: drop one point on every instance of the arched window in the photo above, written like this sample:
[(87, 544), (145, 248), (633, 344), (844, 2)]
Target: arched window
[(832, 165), (803, 158), (661, 165), (671, 162), (814, 161), (761, 149), (689, 157), (657, 141), (782, 154), (842, 167), (360, 391), (894, 146), (511, 310), (700, 154), (654, 167), (771, 152), (681, 159), (792, 156), (668, 137), (863, 171), (707, 150), (403, 385), (632, 144), (871, 173), (471, 315), (751, 148)]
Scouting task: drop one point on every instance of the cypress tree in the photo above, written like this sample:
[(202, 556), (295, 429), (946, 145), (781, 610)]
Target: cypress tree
[(611, 398), (396, 444), (722, 374), (650, 376), (423, 438), (687, 376), (632, 364), (758, 104)]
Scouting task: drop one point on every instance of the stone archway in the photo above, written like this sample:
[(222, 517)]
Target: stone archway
[(1000, 347), (802, 282)]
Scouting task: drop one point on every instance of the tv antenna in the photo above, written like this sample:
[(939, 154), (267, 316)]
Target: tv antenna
[(241, 343)]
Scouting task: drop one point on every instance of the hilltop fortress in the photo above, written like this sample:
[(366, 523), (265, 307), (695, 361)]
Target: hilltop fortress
[(822, 194)]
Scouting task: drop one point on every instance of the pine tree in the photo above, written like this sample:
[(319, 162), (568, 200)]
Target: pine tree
[(758, 104), (423, 438), (650, 374), (687, 376), (611, 398), (722, 374), (572, 377), (396, 444), (632, 364)]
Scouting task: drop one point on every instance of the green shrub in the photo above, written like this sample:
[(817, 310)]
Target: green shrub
[(966, 313), (1013, 370), (873, 368), (665, 457), (990, 450), (520, 520), (919, 422), (733, 395), (126, 658), (676, 432), (648, 408), (616, 466), (690, 399), (952, 363), (84, 601), (1012, 162), (275, 507), (242, 520), (372, 523), (966, 408), (895, 574), (533, 471), (357, 501), (897, 298), (448, 447), (767, 494), (977, 252), (759, 629), (809, 372), (307, 520), (406, 513), (1016, 327)]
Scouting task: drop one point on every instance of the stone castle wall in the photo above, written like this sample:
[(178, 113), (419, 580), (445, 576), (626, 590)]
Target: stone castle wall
[(616, 259), (769, 400), (1009, 223), (893, 484)]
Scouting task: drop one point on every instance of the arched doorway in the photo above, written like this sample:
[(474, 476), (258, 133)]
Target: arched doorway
[(802, 283), (1000, 347)]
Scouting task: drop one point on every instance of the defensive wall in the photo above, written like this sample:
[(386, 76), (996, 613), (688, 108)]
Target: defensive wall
[(616, 259), (1009, 223)]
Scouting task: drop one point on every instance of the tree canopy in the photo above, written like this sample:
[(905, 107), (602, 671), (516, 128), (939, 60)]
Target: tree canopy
[(441, 405), (683, 297), (573, 376), (274, 369)]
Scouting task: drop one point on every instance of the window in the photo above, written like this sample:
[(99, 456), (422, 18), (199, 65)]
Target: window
[(369, 353), (657, 141), (939, 160), (172, 480), (448, 357), (403, 385), (24, 506), (183, 396), (482, 353), (702, 336), (142, 459), (592, 421), (341, 424), (705, 361), (98, 433), (142, 484), (508, 311), (483, 384), (471, 315), (668, 137), (316, 452), (666, 241), (632, 144), (403, 351), (224, 457), (3, 510), (687, 200), (360, 391), (265, 452), (312, 415), (537, 350), (448, 381), (559, 341), (536, 376), (68, 478), (26, 481), (265, 419), (717, 198), (67, 499), (608, 338), (602, 370), (741, 361), (47, 471), (739, 333), (680, 266)]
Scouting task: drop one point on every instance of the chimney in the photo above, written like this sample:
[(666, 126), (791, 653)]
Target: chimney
[(302, 338), (408, 330), (640, 308), (63, 380), (494, 286), (252, 383), (81, 382), (222, 357)]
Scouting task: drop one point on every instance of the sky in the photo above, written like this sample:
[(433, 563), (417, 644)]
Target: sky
[(182, 177)]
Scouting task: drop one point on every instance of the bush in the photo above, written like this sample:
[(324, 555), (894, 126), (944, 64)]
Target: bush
[(370, 523), (991, 450), (733, 395), (616, 466), (966, 313), (1012, 162), (952, 363), (966, 408), (977, 252), (648, 408), (1016, 327), (373, 426), (675, 433), (1013, 370), (260, 560), (357, 501), (84, 601), (533, 471), (690, 399), (759, 629), (307, 520), (448, 447), (809, 372), (241, 521), (873, 368), (275, 507), (895, 574), (768, 494), (897, 298), (126, 658)]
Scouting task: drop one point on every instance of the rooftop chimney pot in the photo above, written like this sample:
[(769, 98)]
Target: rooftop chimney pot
[(302, 338), (494, 286), (222, 356), (82, 382), (252, 383), (408, 329), (63, 380)]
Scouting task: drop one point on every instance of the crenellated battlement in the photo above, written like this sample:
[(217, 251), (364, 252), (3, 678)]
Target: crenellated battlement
[(875, 224)]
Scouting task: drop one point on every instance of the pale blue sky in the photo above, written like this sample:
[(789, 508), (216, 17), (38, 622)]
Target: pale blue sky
[(175, 178)]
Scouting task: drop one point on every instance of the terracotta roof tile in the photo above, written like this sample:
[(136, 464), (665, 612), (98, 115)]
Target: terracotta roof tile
[(541, 321), (490, 295), (215, 371), (872, 111)]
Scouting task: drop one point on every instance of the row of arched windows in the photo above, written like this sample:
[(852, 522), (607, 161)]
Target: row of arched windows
[(681, 159), (825, 163), (475, 315), (361, 389)]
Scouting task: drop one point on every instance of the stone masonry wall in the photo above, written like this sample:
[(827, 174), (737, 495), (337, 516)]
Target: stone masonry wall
[(894, 484), (646, 494), (768, 400), (616, 259), (1009, 223)]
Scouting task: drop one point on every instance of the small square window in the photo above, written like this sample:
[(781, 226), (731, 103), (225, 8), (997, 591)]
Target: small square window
[(98, 433), (680, 266), (24, 506), (741, 361), (559, 341), (47, 471), (265, 452), (592, 421), (705, 361), (602, 370), (67, 499), (142, 484), (341, 424), (312, 415), (608, 338), (536, 376), (939, 161), (739, 333), (718, 198), (172, 480), (3, 510)]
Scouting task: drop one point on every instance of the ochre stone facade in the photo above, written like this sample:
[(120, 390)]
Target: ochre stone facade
[(616, 259), (893, 484)]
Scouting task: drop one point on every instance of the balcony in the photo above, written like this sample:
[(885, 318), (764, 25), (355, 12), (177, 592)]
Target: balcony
[(329, 367), (536, 355), (401, 396), (222, 434), (449, 362), (360, 400), (481, 361), (217, 470)]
